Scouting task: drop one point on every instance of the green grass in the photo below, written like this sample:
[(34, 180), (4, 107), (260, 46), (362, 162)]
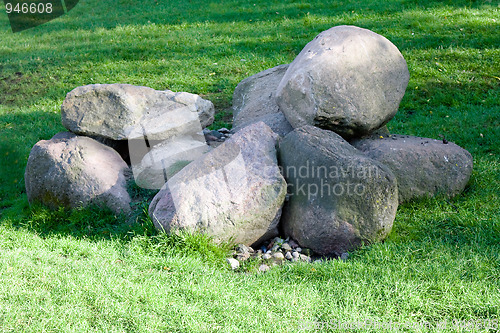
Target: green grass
[(89, 270)]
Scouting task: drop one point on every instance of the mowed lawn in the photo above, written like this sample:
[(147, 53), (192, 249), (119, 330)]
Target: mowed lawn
[(88, 270)]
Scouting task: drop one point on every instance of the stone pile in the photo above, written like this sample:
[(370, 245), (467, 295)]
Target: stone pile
[(272, 252), (345, 173), (309, 156)]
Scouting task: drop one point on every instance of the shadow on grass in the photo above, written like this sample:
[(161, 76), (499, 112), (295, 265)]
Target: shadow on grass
[(19, 132), (96, 224), (86, 15), (92, 223)]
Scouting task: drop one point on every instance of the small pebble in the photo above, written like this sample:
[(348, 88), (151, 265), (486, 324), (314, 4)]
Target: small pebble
[(278, 256), (242, 248), (317, 261), (216, 134), (209, 137), (288, 256), (307, 252), (233, 263), (278, 240), (263, 268), (243, 256), (293, 244), (224, 130), (286, 247), (299, 249), (295, 254), (275, 248), (266, 256), (305, 258), (344, 256)]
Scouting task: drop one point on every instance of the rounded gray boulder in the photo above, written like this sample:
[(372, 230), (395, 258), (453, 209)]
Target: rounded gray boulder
[(74, 171), (348, 79), (338, 197)]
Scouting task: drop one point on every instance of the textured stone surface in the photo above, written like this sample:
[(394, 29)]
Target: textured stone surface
[(165, 159), (233, 263), (339, 198), (123, 111), (254, 100), (204, 108), (423, 167), (73, 171), (348, 79), (234, 191)]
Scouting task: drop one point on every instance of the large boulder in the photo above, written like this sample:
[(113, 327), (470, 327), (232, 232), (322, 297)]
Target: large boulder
[(423, 167), (236, 191), (338, 197), (73, 171), (123, 111), (254, 100), (348, 79)]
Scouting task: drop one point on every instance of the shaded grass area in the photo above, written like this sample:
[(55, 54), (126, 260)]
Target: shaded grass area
[(87, 270)]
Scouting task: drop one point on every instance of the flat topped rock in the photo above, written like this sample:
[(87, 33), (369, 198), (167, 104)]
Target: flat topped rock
[(423, 167), (124, 111)]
